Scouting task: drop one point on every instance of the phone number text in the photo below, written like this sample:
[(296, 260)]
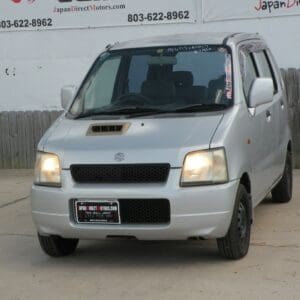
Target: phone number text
[(26, 23), (159, 16)]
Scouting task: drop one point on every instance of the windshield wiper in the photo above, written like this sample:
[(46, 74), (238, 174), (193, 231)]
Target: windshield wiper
[(131, 111), (201, 107), (137, 111)]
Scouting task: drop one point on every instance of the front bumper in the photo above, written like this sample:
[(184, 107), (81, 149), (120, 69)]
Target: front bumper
[(203, 211)]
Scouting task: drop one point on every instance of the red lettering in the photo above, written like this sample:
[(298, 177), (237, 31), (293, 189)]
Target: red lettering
[(291, 3), (259, 5)]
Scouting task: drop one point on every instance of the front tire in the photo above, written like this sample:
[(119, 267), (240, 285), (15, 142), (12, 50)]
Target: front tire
[(56, 246), (235, 244), (283, 191)]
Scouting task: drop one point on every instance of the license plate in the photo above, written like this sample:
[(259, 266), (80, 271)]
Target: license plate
[(97, 212)]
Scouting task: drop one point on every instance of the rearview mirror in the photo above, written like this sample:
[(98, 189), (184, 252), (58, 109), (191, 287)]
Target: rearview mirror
[(67, 95), (162, 60), (261, 92)]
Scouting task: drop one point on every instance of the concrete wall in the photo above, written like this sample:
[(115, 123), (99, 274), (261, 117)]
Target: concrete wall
[(35, 64)]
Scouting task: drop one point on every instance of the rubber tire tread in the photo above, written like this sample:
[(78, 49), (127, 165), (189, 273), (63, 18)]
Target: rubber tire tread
[(229, 245), (56, 246)]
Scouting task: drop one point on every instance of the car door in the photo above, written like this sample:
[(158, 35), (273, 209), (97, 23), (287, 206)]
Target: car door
[(280, 114), (265, 70), (261, 131)]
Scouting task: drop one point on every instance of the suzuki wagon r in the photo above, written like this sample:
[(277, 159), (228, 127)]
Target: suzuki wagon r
[(167, 138)]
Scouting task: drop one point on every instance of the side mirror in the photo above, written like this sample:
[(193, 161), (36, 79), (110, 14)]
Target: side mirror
[(67, 95), (261, 92)]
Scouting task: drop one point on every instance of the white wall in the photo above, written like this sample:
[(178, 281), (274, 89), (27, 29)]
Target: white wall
[(34, 65)]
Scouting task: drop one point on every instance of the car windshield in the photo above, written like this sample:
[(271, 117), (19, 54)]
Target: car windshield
[(157, 80)]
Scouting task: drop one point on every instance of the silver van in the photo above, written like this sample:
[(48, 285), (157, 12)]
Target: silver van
[(167, 138)]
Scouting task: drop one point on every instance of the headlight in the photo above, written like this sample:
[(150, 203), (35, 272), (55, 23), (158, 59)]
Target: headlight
[(204, 167), (47, 170)]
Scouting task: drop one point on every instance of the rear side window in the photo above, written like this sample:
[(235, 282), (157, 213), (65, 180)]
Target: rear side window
[(264, 67), (249, 73)]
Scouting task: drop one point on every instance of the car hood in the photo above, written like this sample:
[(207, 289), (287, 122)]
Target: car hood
[(148, 140)]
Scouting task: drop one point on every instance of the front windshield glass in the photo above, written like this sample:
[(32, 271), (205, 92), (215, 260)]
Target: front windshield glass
[(169, 79)]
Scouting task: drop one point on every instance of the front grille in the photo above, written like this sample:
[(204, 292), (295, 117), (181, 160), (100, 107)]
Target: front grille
[(144, 211), (140, 211), (137, 173)]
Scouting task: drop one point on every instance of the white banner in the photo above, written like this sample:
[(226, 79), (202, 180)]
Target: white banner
[(55, 14), (216, 10)]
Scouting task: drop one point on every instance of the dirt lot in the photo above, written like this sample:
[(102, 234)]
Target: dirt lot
[(140, 270)]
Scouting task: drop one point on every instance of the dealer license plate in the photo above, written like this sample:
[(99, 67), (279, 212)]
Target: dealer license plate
[(97, 212)]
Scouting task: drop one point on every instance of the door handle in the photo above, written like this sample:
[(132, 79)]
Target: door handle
[(268, 116), (282, 105)]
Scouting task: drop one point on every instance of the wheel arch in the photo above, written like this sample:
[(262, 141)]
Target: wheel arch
[(290, 147), (246, 182)]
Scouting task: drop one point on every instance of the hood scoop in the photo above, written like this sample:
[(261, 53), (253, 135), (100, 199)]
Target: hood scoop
[(108, 129)]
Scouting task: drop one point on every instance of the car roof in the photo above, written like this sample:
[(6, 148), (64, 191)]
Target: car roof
[(205, 38)]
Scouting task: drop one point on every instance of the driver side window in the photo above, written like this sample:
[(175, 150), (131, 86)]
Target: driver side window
[(249, 73), (101, 87)]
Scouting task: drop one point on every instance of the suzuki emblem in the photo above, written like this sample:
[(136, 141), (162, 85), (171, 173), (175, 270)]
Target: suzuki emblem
[(119, 157)]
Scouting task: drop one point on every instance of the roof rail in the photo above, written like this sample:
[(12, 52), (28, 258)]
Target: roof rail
[(230, 36), (110, 46)]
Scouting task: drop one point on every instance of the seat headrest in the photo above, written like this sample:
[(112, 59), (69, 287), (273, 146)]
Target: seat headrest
[(183, 79), (158, 89)]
